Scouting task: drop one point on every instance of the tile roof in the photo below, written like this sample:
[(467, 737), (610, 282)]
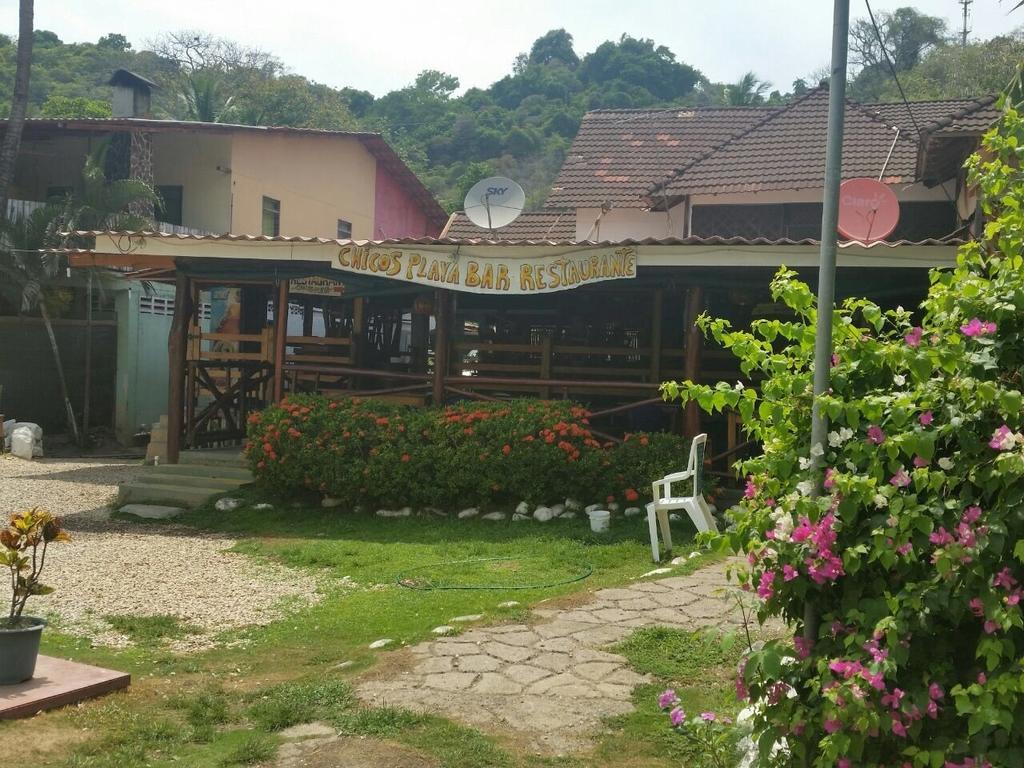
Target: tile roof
[(533, 225), (786, 151), (618, 153), (963, 115)]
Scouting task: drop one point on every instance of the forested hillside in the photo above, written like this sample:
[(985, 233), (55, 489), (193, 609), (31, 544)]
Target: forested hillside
[(520, 126)]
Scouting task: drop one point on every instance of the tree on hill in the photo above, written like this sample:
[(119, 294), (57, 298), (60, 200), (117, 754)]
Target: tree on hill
[(553, 46), (907, 35)]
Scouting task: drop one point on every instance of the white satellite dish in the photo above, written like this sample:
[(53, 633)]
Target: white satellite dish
[(494, 202)]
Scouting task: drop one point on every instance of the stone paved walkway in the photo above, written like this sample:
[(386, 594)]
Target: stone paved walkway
[(549, 683)]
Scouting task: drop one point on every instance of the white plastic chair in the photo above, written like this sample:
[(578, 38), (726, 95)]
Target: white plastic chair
[(695, 504)]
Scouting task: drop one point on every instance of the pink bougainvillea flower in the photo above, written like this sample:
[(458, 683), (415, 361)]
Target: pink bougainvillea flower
[(835, 359), (832, 726), (708, 717), (913, 338), (830, 478), (876, 435), (926, 418), (843, 762), (802, 646), (1004, 579), (920, 461), (898, 728), (935, 692), (668, 699), (982, 678), (901, 479), (976, 327), (990, 627), (905, 549), (766, 588), (977, 607), (789, 572), (750, 491), (941, 537), (971, 515), (1003, 439), (802, 530), (892, 700), (677, 716)]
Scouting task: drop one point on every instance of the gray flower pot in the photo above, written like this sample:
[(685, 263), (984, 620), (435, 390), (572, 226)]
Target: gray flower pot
[(19, 649)]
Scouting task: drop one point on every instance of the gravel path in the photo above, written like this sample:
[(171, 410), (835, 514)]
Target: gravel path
[(113, 567), (550, 682)]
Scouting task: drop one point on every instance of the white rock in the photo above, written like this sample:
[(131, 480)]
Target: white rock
[(557, 509), (344, 664), (470, 512), (656, 572), (380, 643), (444, 629), (692, 555), (150, 511), (227, 504), (573, 505), (567, 516), (679, 560), (508, 604), (614, 507), (675, 517), (493, 516), (468, 618), (590, 507), (522, 508), (434, 511), (329, 502), (263, 505), (517, 518), (543, 514), (633, 511), (403, 512)]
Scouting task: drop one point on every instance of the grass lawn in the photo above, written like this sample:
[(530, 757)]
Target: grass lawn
[(226, 706)]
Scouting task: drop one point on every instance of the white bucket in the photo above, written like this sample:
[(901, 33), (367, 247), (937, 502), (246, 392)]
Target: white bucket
[(600, 519)]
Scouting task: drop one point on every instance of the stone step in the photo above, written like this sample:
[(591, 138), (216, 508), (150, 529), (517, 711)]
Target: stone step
[(221, 457), (202, 481), (220, 471), (180, 495)]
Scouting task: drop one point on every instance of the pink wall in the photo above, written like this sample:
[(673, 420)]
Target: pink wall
[(395, 212)]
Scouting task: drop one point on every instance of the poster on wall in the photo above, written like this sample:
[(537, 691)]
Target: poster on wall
[(225, 316)]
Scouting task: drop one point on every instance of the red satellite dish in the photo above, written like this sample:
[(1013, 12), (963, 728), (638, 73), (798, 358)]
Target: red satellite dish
[(868, 210)]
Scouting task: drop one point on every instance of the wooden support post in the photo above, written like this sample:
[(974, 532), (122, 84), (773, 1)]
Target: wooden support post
[(545, 366), (177, 346), (692, 350), (418, 341), (355, 350), (308, 310), (442, 319), (656, 312), (280, 339)]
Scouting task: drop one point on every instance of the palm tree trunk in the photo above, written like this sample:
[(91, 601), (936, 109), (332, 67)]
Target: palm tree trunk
[(60, 371), (19, 103), (88, 358)]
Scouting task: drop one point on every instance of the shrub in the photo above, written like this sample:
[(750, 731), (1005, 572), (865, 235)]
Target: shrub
[(23, 546), (902, 579), (473, 454)]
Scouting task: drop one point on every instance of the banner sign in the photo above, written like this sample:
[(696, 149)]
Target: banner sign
[(316, 286), (505, 276)]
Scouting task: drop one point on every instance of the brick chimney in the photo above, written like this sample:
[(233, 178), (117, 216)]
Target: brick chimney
[(132, 151)]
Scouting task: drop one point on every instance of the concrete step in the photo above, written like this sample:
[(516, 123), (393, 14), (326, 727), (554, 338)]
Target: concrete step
[(220, 471), (221, 484), (180, 495), (221, 457)]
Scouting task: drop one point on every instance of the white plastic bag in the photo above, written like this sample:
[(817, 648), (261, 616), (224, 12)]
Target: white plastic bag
[(27, 440), (8, 428)]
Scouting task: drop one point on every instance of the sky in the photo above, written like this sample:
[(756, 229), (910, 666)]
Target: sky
[(381, 46)]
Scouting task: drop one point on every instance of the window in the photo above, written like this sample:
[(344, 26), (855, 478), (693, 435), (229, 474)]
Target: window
[(271, 216), (344, 229), (168, 204)]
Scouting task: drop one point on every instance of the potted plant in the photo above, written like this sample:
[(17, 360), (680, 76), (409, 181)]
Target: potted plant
[(23, 545)]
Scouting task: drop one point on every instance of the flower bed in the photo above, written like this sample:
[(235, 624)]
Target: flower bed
[(369, 453)]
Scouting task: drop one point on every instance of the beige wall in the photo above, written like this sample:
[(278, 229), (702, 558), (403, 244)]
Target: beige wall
[(191, 160), (626, 223), (318, 179)]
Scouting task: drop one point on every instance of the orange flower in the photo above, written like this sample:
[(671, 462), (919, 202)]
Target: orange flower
[(644, 440), (631, 494), (406, 457), (506, 449)]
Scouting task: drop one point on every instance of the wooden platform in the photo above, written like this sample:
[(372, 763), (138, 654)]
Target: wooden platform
[(56, 683)]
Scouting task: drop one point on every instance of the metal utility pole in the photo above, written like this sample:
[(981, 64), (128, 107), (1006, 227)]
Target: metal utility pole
[(967, 14), (829, 221)]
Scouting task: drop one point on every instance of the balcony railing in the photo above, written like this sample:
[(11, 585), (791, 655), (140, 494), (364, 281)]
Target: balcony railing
[(22, 208)]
